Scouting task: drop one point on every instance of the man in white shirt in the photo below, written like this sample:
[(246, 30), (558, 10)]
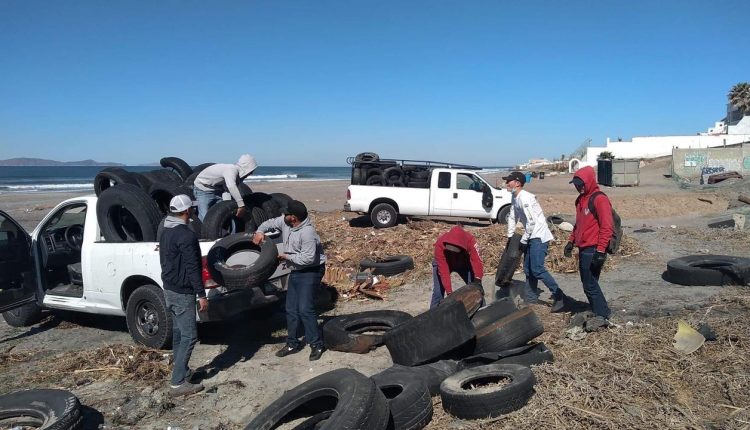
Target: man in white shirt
[(534, 242)]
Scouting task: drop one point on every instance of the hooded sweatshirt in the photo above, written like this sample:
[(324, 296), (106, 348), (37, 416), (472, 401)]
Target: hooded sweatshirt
[(302, 244), (218, 176), (451, 261), (180, 257), (588, 231)]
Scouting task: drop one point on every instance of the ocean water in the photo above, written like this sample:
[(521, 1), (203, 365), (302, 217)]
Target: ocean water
[(18, 179)]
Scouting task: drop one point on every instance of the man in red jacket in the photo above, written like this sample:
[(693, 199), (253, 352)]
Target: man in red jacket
[(455, 251), (591, 235)]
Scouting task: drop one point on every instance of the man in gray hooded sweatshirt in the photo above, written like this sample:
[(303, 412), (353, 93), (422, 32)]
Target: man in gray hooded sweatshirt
[(303, 253), (210, 183)]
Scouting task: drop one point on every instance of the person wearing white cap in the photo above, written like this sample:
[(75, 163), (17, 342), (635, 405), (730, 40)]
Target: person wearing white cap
[(210, 184), (180, 257)]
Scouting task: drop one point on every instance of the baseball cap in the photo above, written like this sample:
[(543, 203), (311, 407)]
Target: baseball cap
[(296, 208), (515, 176), (576, 181), (180, 203)]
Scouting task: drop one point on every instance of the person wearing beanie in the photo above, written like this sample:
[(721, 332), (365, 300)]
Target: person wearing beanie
[(211, 183)]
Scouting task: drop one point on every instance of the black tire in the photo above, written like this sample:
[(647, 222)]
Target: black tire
[(502, 215), (357, 176), (42, 408), (111, 176), (388, 266), (409, 401), (23, 316), (709, 270), (420, 174), (509, 261), (512, 331), (353, 332), (471, 296), (282, 199), (354, 399), (383, 215), (236, 262), (271, 208), (163, 192), (394, 176), (126, 213), (432, 374), (178, 165), (245, 190), (148, 320), (465, 403), (418, 184), (366, 157), (377, 180), (220, 221), (143, 181), (258, 204), (430, 335), (190, 180), (162, 175), (526, 355), (493, 312), (373, 171)]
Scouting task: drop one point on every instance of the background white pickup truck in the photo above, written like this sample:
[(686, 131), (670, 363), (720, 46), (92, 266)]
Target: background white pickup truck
[(451, 193), (65, 264)]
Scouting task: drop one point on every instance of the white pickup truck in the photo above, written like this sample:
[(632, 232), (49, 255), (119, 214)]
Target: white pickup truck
[(451, 193), (65, 264)]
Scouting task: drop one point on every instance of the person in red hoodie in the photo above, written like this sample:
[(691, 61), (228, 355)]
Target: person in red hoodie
[(455, 251), (591, 235)]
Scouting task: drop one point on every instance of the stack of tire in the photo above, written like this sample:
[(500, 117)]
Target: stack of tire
[(369, 169), (444, 351)]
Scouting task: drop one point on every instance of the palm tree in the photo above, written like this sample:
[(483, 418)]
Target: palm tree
[(739, 97)]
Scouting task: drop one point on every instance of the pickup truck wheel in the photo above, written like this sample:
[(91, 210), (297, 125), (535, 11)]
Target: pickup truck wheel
[(502, 215), (383, 215), (148, 321), (23, 316)]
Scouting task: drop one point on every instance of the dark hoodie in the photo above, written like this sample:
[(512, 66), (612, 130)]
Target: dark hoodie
[(451, 261), (588, 232)]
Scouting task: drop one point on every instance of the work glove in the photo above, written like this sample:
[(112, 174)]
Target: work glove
[(523, 247), (568, 251), (598, 261)]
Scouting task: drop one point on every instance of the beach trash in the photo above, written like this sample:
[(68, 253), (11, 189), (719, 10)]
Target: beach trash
[(687, 339)]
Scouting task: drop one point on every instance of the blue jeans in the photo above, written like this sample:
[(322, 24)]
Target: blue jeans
[(533, 267), (205, 200), (590, 280), (300, 306), (438, 292), (181, 307)]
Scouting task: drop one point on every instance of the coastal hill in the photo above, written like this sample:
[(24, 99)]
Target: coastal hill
[(43, 162)]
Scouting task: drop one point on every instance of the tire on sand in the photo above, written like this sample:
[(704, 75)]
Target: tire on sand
[(471, 296), (514, 330), (709, 270), (409, 401), (126, 213), (388, 266), (353, 400), (46, 409), (526, 355), (236, 262), (360, 332)]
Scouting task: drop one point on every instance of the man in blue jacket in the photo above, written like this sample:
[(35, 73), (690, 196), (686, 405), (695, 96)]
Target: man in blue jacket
[(180, 257), (303, 253)]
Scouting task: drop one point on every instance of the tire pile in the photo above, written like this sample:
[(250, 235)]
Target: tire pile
[(454, 350), (369, 169)]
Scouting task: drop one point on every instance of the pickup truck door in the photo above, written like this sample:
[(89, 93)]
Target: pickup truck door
[(17, 280), (467, 201), (441, 194)]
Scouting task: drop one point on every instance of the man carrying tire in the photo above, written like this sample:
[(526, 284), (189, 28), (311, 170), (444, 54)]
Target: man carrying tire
[(303, 253), (454, 251), (591, 235), (210, 184), (180, 257), (535, 240)]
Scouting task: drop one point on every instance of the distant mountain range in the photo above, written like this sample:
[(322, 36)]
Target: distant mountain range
[(43, 162)]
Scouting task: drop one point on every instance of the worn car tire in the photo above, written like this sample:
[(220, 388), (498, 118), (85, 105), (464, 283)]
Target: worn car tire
[(409, 401), (383, 215), (236, 262), (493, 312), (357, 402), (45, 409), (525, 355), (471, 296), (487, 403), (351, 333), (23, 316), (162, 175), (265, 207), (430, 335), (126, 213), (182, 168), (509, 261), (376, 180), (709, 270), (220, 221), (388, 266), (514, 330), (147, 317), (394, 176), (367, 156), (432, 374), (282, 199), (163, 192), (111, 176), (358, 176)]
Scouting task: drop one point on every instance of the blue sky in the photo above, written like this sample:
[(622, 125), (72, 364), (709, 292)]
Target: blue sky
[(311, 82)]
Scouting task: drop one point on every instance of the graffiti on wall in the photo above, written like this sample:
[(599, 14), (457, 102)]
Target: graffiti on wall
[(695, 160), (746, 163)]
